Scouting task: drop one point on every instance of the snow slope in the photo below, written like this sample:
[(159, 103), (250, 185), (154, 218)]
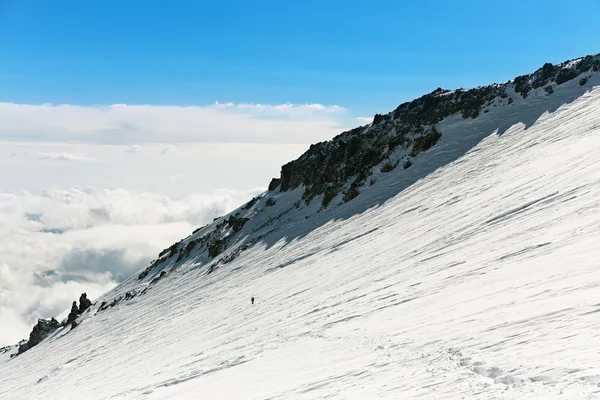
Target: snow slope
[(473, 274)]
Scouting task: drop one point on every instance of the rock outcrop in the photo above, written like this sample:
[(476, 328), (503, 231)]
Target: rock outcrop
[(73, 314), (342, 168), (40, 332), (344, 163), (84, 303)]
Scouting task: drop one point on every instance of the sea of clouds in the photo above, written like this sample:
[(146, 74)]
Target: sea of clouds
[(89, 195), (65, 241)]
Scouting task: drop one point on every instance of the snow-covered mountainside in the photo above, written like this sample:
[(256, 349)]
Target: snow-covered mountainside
[(447, 250)]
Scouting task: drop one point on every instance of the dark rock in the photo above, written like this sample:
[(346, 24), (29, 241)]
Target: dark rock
[(237, 223), (198, 229), (115, 301), (74, 314), (350, 193), (565, 75), (553, 73), (378, 118), (274, 184), (149, 269), (185, 252), (252, 202), (40, 332), (425, 142), (216, 247), (583, 81), (84, 303), (329, 195), (388, 167), (171, 251), (326, 167), (129, 296), (270, 202)]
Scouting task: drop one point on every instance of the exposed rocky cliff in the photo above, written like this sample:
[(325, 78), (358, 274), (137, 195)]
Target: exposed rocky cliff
[(337, 169), (45, 327), (346, 162), (40, 331)]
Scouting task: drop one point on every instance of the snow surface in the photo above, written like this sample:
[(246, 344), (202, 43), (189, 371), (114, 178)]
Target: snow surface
[(473, 274)]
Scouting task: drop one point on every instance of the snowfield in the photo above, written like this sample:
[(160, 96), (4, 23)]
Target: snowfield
[(474, 274)]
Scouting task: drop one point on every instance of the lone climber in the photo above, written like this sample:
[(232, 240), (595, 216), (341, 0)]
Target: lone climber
[(252, 300)]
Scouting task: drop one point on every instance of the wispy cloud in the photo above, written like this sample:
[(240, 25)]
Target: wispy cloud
[(63, 156), (138, 124), (365, 120), (77, 236)]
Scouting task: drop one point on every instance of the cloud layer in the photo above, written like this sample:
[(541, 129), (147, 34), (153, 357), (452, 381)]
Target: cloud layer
[(136, 124), (175, 170), (65, 241), (67, 228)]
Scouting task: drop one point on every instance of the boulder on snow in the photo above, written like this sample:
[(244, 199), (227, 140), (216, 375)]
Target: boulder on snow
[(73, 314), (84, 303), (270, 202), (40, 332)]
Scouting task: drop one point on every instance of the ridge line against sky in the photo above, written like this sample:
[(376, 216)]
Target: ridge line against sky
[(92, 190)]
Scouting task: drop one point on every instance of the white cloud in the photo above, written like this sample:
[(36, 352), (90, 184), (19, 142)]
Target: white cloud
[(136, 148), (137, 124), (199, 167), (64, 156), (66, 227), (65, 241), (365, 120)]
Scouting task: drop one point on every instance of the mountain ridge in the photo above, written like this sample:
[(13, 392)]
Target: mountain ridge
[(340, 168), (287, 231), (393, 132)]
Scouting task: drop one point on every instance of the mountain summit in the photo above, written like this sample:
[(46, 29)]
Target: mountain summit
[(446, 250)]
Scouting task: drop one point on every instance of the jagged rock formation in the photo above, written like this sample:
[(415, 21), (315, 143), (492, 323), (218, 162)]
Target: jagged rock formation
[(342, 167), (73, 314), (84, 303), (344, 163), (556, 73), (40, 331), (44, 327), (274, 183)]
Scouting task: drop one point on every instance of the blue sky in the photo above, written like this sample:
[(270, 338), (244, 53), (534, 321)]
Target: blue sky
[(365, 56)]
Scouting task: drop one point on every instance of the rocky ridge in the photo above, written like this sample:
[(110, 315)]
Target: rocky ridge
[(345, 163), (342, 167), (337, 169)]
